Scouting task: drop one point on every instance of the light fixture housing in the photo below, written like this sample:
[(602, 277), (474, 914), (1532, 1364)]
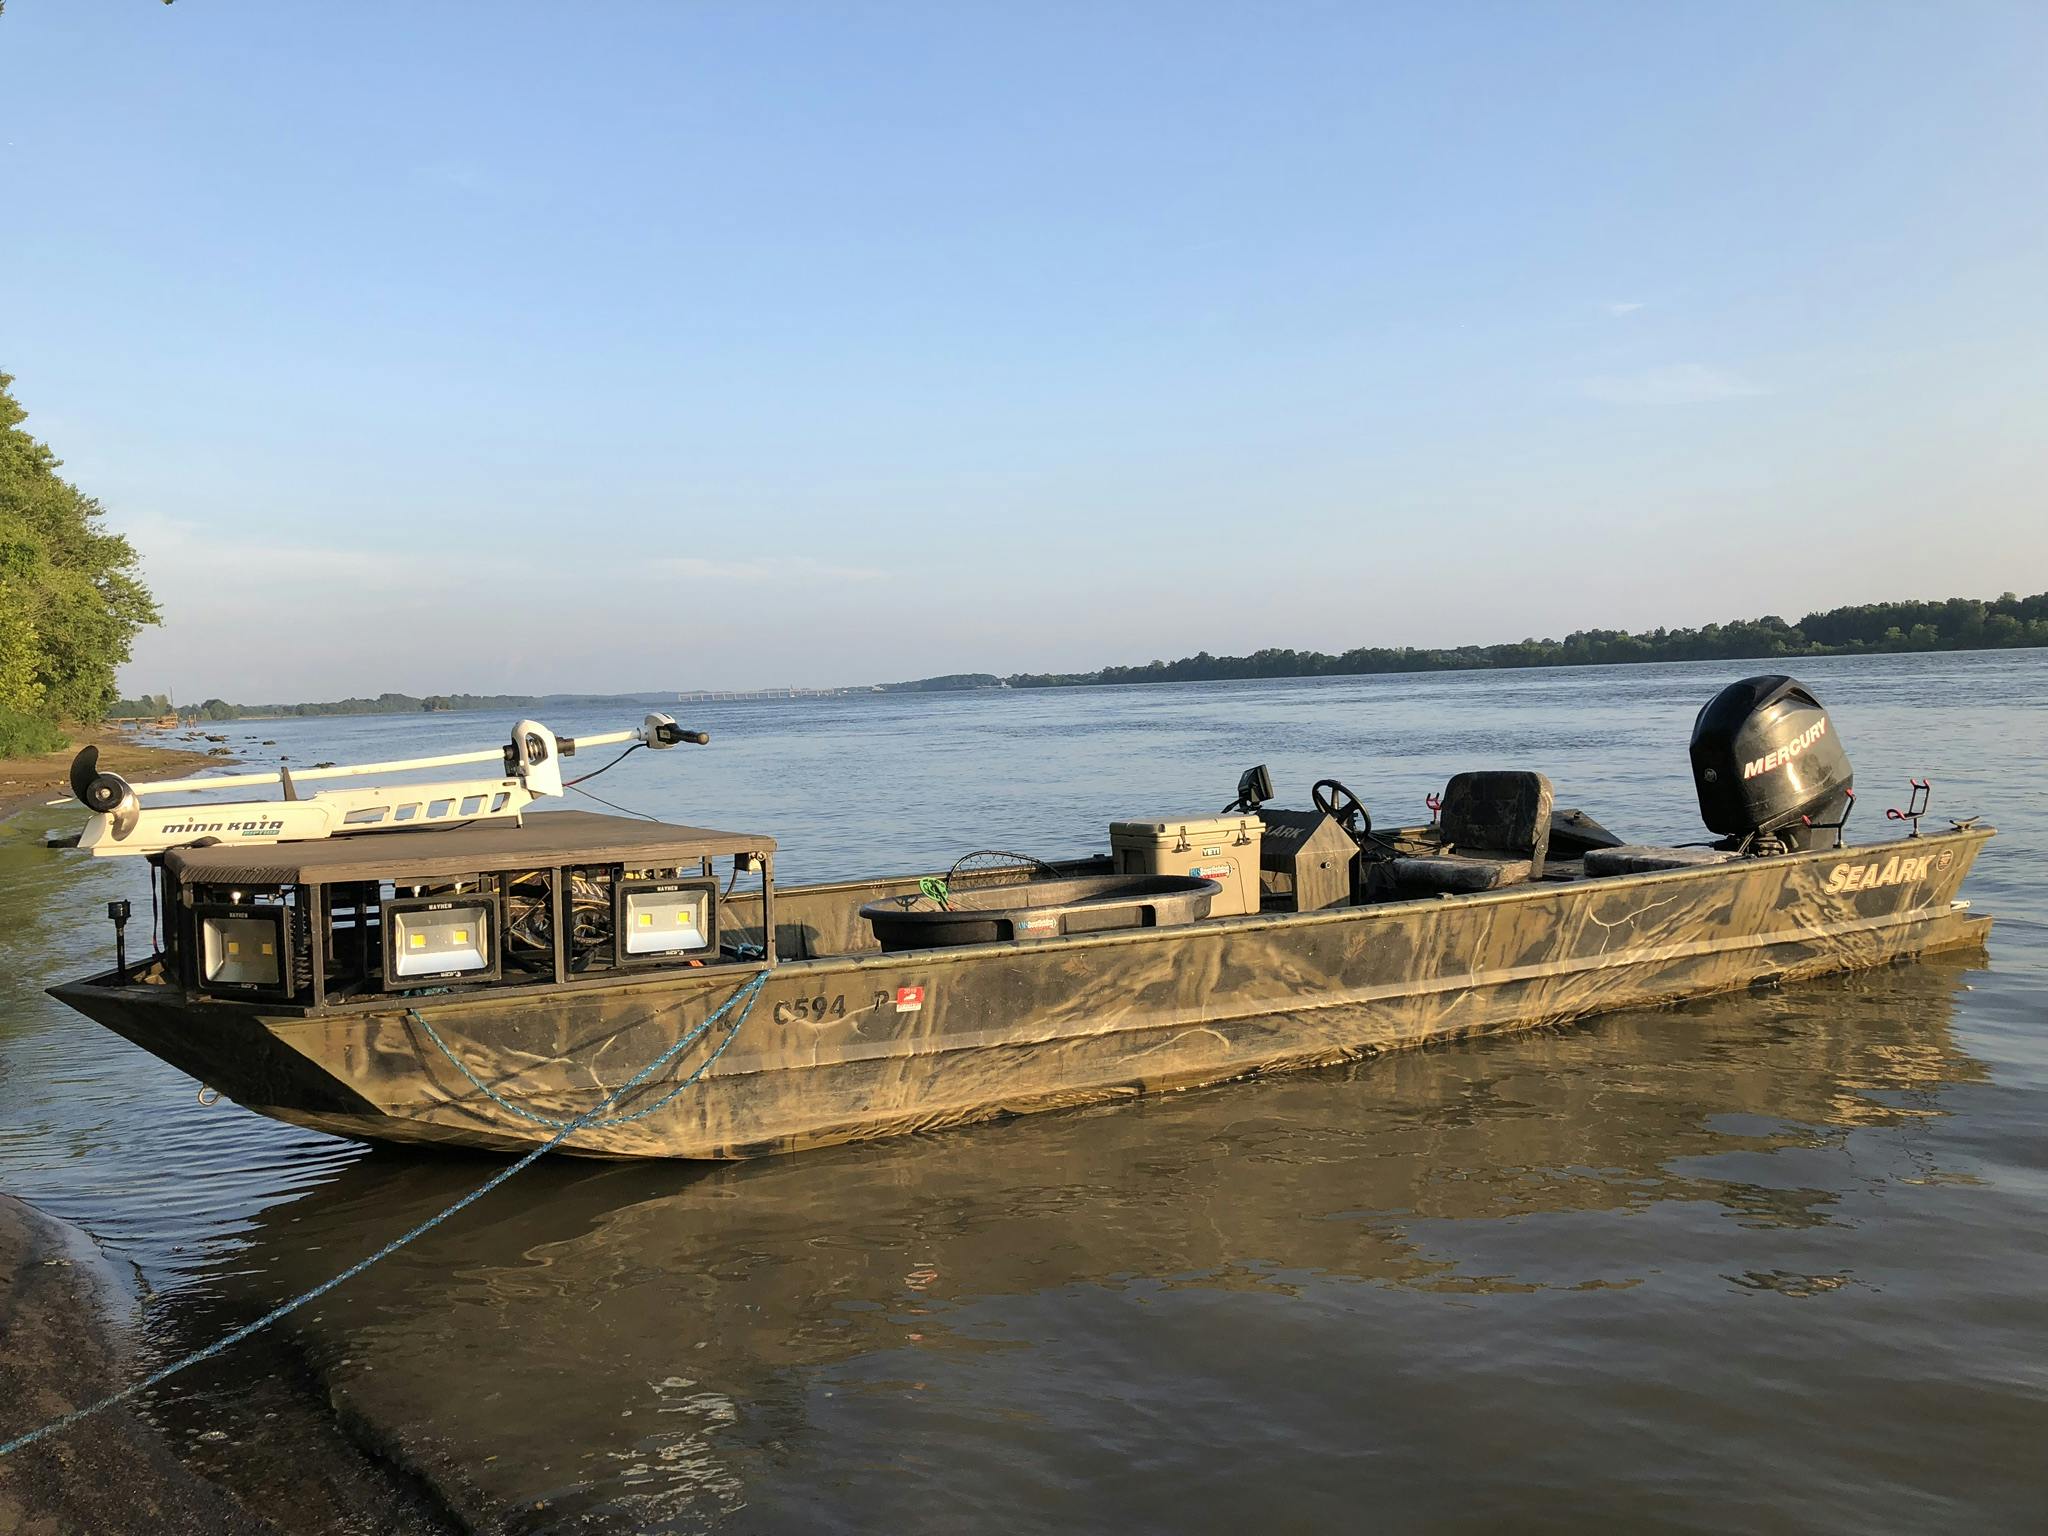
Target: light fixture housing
[(661, 921), (244, 950), (430, 941)]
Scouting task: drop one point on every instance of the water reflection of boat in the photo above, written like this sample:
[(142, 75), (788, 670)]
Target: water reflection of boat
[(660, 1342)]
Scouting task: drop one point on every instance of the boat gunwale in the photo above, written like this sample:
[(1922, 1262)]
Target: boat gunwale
[(741, 971)]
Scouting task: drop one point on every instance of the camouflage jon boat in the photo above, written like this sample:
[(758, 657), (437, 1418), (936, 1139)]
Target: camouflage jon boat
[(483, 984)]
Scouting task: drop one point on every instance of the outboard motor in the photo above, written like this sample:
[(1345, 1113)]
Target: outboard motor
[(1768, 766)]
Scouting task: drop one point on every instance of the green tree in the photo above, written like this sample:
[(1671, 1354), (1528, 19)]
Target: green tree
[(20, 693), (71, 597)]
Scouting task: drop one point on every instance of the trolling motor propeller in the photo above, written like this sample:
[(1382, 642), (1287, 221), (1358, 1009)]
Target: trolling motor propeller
[(107, 794)]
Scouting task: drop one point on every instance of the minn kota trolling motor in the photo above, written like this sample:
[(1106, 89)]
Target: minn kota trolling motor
[(122, 823)]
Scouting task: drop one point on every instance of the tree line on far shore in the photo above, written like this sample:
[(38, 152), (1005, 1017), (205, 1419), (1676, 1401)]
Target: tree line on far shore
[(72, 601), (1951, 624), (152, 706), (1956, 624)]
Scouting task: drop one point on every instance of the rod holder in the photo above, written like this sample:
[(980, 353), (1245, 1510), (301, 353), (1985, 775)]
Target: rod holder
[(117, 913)]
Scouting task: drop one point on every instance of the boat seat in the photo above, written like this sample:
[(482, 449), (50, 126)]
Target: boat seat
[(1494, 829), (1449, 873), (1641, 858)]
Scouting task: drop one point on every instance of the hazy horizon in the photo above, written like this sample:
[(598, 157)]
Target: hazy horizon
[(509, 350), (654, 692)]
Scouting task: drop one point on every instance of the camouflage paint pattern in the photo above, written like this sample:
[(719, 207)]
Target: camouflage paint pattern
[(862, 1043)]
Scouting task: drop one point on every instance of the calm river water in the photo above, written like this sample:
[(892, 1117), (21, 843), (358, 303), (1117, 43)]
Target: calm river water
[(1767, 1262)]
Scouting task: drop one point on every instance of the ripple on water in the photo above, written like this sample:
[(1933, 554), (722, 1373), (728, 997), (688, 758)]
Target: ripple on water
[(1756, 1261)]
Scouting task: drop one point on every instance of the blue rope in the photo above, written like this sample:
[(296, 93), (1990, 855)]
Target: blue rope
[(549, 1120), (746, 994)]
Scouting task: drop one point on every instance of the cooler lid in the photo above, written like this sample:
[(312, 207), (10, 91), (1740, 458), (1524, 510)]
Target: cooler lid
[(1193, 826)]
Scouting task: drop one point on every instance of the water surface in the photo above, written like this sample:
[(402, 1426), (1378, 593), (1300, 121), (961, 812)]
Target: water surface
[(1771, 1262)]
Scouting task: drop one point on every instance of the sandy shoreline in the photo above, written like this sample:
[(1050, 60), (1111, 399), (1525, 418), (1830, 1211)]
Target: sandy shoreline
[(61, 1306), (27, 781), (69, 1330), (69, 1321)]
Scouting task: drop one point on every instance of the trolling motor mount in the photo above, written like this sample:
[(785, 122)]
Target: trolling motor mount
[(530, 767)]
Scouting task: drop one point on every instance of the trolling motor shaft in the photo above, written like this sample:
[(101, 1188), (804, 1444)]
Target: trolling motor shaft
[(121, 823)]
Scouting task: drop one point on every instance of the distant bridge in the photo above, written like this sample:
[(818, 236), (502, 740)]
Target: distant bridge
[(710, 696)]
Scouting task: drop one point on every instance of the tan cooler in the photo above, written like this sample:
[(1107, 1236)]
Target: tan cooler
[(1220, 848)]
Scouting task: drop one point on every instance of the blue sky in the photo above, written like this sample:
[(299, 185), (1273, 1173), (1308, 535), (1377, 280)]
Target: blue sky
[(524, 346)]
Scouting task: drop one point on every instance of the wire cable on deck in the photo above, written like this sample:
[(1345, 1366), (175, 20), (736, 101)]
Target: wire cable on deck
[(623, 809), (743, 999), (586, 778)]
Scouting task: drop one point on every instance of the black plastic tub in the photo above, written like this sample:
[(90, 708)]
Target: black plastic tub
[(1040, 909)]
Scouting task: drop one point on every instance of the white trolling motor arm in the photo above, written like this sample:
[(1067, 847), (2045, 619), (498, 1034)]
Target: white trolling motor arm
[(122, 823)]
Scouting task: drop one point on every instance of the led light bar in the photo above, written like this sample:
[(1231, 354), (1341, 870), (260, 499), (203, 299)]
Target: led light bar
[(658, 920), (243, 951), (430, 940)]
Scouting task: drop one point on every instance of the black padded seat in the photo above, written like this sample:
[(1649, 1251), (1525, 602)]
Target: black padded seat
[(1450, 873), (1494, 828), (1642, 859)]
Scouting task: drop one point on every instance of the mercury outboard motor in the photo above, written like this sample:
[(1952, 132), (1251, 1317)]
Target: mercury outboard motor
[(1768, 766)]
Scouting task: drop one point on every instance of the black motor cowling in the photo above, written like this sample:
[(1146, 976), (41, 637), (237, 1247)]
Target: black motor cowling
[(1766, 762)]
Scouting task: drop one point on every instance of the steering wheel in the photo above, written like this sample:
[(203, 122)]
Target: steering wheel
[(1335, 800)]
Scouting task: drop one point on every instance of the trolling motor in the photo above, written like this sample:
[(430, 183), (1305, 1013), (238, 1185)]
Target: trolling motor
[(531, 763)]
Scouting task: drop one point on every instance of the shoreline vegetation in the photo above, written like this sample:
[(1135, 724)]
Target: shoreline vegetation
[(154, 707), (71, 595), (72, 601), (1954, 624)]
